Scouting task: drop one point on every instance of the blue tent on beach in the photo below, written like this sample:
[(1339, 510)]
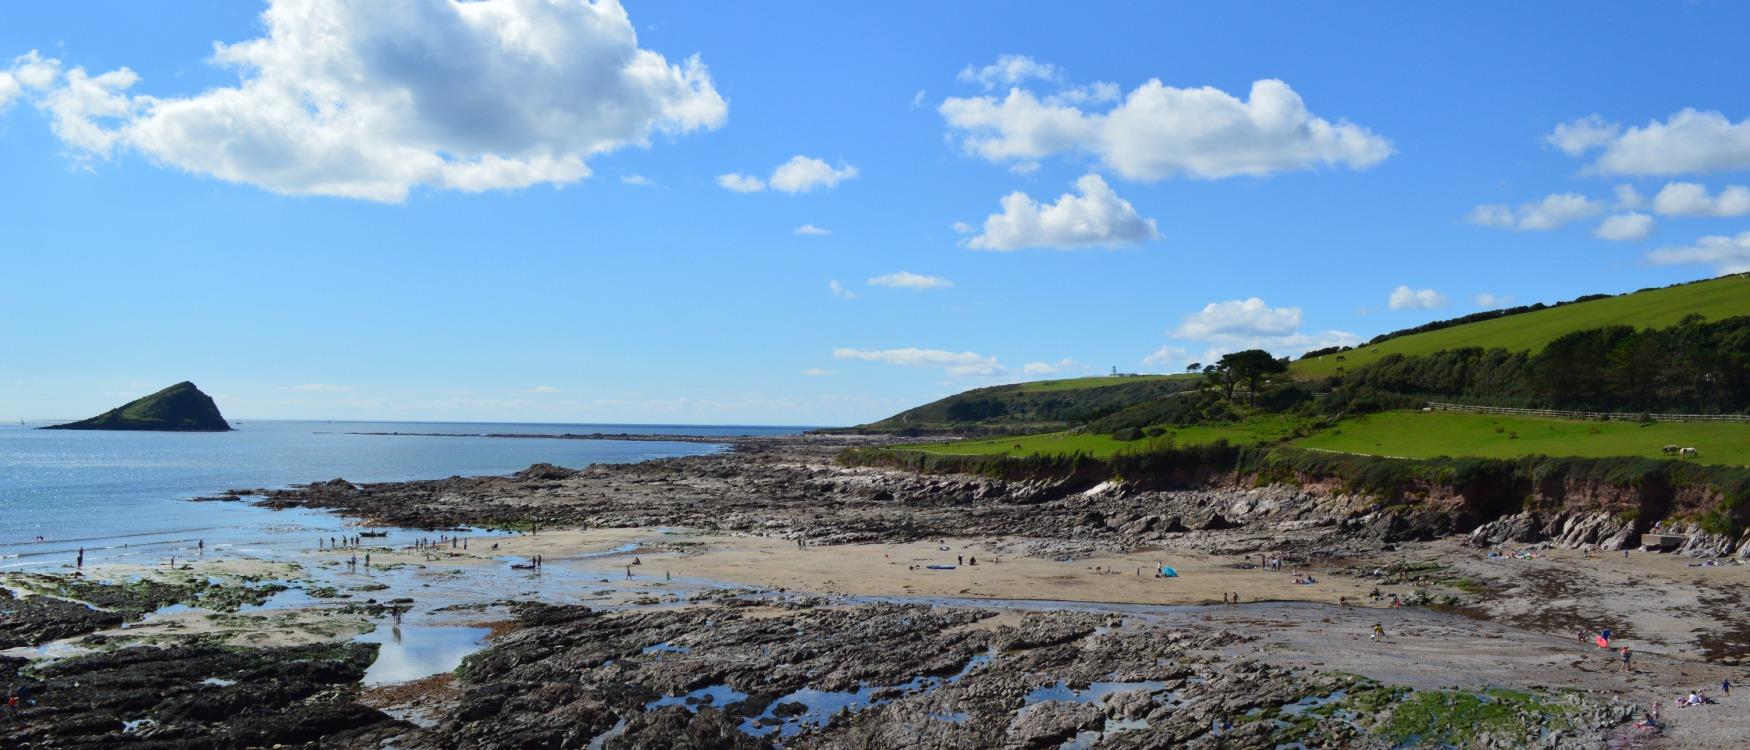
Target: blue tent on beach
[(1167, 571)]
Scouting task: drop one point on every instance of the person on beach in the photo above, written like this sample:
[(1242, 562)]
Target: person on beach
[(961, 560), (1343, 602), (81, 562), (367, 561), (1378, 632), (1626, 656), (1236, 598), (1396, 603), (353, 564), (628, 572), (1726, 686)]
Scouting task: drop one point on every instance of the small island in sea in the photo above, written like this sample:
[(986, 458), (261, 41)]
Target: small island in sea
[(179, 408)]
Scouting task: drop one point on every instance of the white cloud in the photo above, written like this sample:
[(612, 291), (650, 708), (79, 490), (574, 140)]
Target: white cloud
[(1167, 356), (839, 290), (816, 372), (961, 227), (1725, 254), (27, 74), (1688, 141), (909, 280), (917, 99), (321, 388), (1159, 131), (1096, 218), (1553, 212), (1405, 298), (1582, 135), (1247, 318), (370, 100), (1250, 323), (1037, 369), (1692, 199), (638, 180), (740, 183), (1628, 198), (810, 230), (1009, 70), (802, 174), (1489, 301), (1625, 227), (959, 364), (544, 389)]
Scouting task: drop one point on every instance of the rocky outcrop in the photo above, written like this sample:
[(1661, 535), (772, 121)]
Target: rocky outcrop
[(196, 696), (179, 408)]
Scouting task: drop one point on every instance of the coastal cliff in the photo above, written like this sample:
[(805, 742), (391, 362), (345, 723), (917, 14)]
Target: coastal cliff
[(179, 408)]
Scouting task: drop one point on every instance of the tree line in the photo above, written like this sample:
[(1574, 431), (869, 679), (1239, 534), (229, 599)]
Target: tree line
[(1694, 366)]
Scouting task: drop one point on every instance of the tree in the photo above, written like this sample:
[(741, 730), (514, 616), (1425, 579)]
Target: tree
[(1252, 367), (1193, 367), (1221, 378)]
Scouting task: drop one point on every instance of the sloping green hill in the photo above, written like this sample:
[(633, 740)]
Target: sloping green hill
[(1031, 407), (179, 408), (1714, 299)]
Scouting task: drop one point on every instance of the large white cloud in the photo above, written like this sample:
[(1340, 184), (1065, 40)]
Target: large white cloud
[(1689, 141), (801, 174), (372, 99), (1236, 325), (1725, 254), (1160, 131), (1405, 298), (1096, 217), (1692, 199), (1625, 227), (1553, 212)]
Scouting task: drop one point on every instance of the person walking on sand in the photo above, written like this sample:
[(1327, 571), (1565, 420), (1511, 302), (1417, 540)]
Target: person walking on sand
[(1625, 660), (1236, 599), (1378, 632), (628, 572), (1726, 686)]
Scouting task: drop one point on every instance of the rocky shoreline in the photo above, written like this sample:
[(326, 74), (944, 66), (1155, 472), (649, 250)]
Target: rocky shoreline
[(763, 667)]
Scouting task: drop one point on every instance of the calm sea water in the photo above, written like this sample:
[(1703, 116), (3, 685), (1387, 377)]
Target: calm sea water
[(124, 495)]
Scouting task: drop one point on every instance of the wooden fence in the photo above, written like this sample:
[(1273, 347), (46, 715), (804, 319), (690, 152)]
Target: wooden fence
[(1591, 415)]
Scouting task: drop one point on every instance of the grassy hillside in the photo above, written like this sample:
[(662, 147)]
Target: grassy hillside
[(1262, 429), (1041, 406), (1429, 434), (1714, 299)]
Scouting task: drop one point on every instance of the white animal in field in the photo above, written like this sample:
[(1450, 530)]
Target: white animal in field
[(1671, 450), (1689, 453)]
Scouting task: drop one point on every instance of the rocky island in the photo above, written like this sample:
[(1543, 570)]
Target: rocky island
[(179, 408)]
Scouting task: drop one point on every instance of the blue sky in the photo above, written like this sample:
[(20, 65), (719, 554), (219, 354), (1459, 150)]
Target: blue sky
[(517, 210)]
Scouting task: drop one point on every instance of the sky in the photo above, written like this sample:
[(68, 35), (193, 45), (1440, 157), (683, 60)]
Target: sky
[(818, 213)]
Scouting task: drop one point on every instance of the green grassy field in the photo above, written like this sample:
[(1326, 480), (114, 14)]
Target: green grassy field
[(1097, 381), (1267, 429), (1429, 434), (1715, 299)]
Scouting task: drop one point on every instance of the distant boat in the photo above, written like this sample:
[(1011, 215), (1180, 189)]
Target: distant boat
[(374, 533)]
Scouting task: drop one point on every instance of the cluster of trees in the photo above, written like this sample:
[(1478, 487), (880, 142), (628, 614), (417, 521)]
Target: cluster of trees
[(1694, 366), (1252, 368)]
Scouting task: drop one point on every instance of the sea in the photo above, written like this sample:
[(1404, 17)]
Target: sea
[(126, 496)]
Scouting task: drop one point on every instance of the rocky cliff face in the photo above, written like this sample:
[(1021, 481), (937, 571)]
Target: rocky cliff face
[(179, 408)]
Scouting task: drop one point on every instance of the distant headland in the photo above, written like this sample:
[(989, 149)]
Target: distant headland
[(179, 408)]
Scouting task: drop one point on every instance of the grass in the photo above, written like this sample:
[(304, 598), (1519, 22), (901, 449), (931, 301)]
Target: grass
[(1263, 429), (1097, 381), (1716, 299), (1429, 434)]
